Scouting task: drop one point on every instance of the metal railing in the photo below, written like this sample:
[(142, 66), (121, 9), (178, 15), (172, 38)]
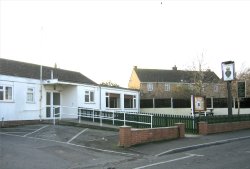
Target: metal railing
[(98, 115)]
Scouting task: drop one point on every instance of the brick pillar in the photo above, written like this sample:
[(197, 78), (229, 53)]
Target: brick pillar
[(181, 128), (125, 136), (203, 128)]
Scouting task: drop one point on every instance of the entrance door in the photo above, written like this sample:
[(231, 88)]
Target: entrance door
[(53, 103)]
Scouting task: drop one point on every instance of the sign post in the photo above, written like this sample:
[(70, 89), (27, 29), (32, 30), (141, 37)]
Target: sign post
[(241, 91), (228, 75)]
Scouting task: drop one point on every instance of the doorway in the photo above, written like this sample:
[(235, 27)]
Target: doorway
[(53, 102)]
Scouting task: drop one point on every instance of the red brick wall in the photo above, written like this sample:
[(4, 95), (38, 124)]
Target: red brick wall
[(205, 128), (129, 136)]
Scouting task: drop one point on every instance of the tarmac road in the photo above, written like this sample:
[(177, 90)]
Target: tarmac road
[(67, 147), (58, 147), (233, 155)]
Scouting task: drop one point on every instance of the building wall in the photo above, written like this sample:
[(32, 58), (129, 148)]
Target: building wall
[(187, 111), (72, 96), (19, 109), (122, 92), (134, 82), (179, 90), (81, 96)]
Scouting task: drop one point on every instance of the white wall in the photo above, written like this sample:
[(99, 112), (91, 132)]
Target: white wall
[(122, 92), (187, 111), (19, 109), (81, 96), (72, 97)]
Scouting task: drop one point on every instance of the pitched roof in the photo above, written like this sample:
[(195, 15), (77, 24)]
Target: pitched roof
[(27, 70), (177, 76)]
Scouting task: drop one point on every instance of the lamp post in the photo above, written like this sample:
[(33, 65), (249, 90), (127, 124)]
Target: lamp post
[(228, 75)]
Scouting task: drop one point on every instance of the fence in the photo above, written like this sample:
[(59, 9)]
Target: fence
[(133, 119), (108, 117), (146, 120), (224, 118), (163, 120), (137, 120), (117, 118)]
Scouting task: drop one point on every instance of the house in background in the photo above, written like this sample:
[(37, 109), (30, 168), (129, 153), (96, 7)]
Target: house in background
[(172, 89), (158, 83), (35, 92)]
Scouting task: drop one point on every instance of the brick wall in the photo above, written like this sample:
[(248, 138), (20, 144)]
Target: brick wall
[(205, 128), (129, 136)]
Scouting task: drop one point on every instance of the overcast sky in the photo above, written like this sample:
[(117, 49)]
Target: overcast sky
[(105, 39)]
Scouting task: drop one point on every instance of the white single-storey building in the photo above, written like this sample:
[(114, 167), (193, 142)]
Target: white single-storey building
[(35, 92)]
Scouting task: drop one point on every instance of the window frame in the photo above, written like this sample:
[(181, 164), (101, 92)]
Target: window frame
[(33, 95), (150, 87), (132, 101), (5, 94), (167, 87), (216, 88), (113, 102), (90, 94)]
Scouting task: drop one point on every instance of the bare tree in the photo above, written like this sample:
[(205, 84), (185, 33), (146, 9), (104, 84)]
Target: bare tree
[(109, 83)]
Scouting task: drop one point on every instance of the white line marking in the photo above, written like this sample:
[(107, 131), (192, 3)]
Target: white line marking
[(2, 129), (78, 134), (35, 131), (203, 145), (60, 142), (168, 161), (198, 155), (14, 132)]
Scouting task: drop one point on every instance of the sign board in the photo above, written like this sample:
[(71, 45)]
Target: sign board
[(200, 103), (241, 86), (228, 70)]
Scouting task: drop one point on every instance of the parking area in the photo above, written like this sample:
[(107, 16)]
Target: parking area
[(49, 146)]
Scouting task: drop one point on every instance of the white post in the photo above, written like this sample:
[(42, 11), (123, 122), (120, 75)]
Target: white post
[(79, 115), (192, 105), (151, 121), (54, 119), (113, 117), (60, 114), (100, 118), (124, 120)]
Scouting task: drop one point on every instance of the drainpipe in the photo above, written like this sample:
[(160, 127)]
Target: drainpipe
[(2, 124), (100, 94), (41, 92)]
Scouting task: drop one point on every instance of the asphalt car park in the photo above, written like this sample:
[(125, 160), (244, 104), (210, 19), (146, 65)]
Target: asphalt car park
[(68, 147), (49, 146)]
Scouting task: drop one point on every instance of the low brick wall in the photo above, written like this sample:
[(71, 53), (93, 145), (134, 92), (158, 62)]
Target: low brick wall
[(205, 128), (129, 136)]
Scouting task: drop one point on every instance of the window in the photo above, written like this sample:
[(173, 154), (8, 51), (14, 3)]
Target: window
[(30, 95), (150, 87), (216, 88), (6, 93), (167, 87), (129, 101), (112, 100), (89, 97)]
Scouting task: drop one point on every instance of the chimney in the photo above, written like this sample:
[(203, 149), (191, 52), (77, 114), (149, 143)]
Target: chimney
[(174, 68)]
